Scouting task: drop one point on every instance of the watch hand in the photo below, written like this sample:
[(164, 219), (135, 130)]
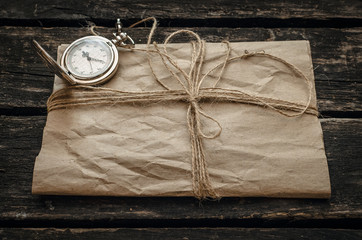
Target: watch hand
[(85, 54), (90, 63), (96, 60)]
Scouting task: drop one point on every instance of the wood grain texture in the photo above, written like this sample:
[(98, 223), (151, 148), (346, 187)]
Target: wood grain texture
[(336, 54), (177, 10), (20, 141), (334, 29), (179, 233)]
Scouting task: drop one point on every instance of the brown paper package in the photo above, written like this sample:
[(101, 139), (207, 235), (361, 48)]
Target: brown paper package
[(144, 149)]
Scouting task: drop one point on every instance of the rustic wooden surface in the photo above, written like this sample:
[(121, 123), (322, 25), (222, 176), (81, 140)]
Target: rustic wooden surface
[(180, 233), (334, 29), (227, 13), (28, 83), (21, 140)]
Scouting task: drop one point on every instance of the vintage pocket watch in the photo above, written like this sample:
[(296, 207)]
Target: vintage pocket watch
[(90, 60)]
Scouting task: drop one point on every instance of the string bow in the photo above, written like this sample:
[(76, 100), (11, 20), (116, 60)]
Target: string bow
[(191, 85)]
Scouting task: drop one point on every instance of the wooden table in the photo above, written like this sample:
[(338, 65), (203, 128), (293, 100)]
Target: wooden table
[(335, 34)]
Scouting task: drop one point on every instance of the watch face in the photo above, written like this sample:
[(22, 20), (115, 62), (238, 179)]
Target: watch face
[(89, 58)]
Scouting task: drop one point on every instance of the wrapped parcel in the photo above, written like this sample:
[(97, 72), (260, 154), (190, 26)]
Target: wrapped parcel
[(147, 148)]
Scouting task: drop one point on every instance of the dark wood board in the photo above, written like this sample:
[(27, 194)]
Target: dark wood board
[(336, 54), (187, 12), (20, 141), (179, 233), (334, 29)]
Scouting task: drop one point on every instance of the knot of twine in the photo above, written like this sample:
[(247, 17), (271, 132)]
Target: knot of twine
[(191, 92)]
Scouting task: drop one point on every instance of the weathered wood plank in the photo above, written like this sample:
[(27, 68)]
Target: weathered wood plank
[(336, 53), (20, 140), (174, 11), (178, 233)]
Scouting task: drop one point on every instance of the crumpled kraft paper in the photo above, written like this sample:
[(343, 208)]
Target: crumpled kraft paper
[(144, 149)]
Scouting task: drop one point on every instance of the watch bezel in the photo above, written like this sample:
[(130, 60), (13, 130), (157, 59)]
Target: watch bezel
[(101, 78)]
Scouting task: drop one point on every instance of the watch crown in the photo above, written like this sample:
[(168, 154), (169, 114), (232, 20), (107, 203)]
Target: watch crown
[(122, 38)]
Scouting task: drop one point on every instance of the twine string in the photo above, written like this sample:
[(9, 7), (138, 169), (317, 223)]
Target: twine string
[(191, 92)]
